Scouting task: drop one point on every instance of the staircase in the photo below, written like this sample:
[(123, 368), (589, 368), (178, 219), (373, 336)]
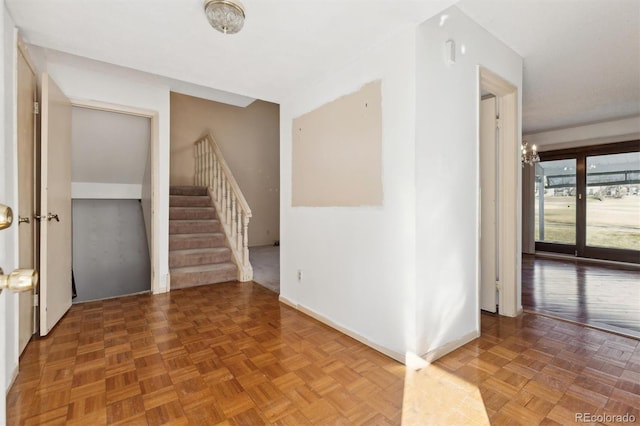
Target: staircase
[(198, 253)]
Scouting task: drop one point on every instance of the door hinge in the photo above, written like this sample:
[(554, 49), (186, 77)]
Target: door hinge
[(36, 108), (35, 301)]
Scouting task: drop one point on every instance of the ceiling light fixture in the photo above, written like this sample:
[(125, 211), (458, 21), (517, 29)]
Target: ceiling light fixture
[(529, 157), (226, 16)]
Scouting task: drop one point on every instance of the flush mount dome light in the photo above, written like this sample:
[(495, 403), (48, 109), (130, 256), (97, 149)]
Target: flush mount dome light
[(226, 16)]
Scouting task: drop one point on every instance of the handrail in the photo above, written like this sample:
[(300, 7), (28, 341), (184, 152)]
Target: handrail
[(212, 171)]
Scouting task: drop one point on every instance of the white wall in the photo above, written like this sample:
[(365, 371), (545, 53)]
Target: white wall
[(83, 84), (358, 262), (8, 196), (447, 179)]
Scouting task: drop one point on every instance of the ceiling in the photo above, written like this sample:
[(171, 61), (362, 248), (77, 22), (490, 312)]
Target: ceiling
[(283, 45), (581, 58)]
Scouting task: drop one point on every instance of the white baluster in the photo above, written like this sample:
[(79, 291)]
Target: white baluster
[(200, 163), (208, 170), (233, 224), (220, 179), (245, 241), (197, 176), (212, 167), (219, 182), (202, 159), (239, 231), (204, 164), (213, 171), (223, 213), (229, 202)]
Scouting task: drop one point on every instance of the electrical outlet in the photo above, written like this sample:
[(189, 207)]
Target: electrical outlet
[(300, 275)]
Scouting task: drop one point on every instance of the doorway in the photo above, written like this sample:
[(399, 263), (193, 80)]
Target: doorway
[(51, 240), (499, 282), (110, 172)]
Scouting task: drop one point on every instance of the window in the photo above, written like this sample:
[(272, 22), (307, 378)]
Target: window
[(613, 201), (555, 205), (587, 202)]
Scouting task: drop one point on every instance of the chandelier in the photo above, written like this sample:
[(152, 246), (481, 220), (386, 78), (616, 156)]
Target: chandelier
[(226, 16), (529, 157)]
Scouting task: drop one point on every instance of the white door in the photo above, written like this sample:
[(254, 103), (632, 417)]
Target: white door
[(26, 191), (55, 206), (488, 217)]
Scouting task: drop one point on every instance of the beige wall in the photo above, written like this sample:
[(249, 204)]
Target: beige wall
[(249, 139), (337, 152)]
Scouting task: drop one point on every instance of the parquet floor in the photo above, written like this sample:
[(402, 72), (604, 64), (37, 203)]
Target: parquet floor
[(602, 296), (529, 370), (232, 354), (202, 356)]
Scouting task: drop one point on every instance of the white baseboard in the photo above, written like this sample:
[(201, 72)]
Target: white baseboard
[(319, 317), (287, 302), (14, 376), (450, 347)]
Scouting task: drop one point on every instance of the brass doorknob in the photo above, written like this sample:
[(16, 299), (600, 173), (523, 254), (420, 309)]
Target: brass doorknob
[(6, 216), (19, 280)]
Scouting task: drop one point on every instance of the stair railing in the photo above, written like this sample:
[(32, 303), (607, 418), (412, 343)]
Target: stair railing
[(211, 170)]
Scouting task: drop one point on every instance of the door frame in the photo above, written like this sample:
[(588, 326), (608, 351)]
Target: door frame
[(21, 50), (509, 198), (153, 146)]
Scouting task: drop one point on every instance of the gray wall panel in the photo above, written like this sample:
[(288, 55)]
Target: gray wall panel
[(110, 252)]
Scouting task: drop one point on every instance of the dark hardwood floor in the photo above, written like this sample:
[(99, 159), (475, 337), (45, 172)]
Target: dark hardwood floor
[(598, 295)]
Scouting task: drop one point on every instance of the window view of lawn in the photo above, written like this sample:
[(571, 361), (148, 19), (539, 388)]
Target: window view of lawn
[(611, 222), (559, 219), (556, 180), (614, 222), (612, 201)]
